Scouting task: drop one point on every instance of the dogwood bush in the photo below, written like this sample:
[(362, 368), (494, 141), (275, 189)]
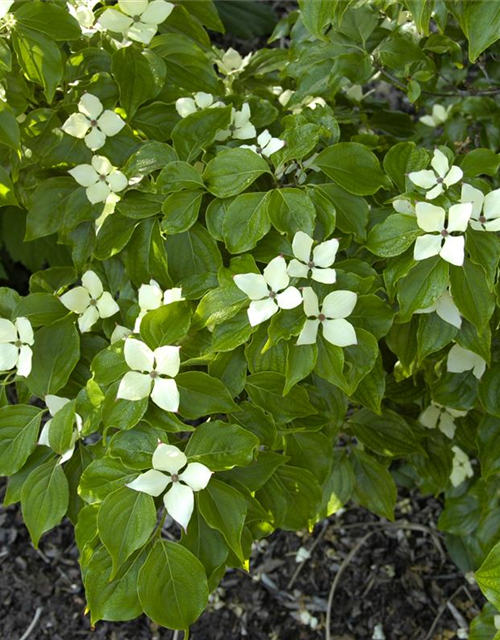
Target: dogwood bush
[(262, 284)]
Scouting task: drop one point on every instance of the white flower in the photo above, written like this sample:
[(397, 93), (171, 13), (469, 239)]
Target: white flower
[(441, 417), (266, 144), (335, 308), (439, 116), (436, 181), (264, 291), (460, 360), (152, 297), (145, 378), (462, 467), (55, 404), (496, 621), (91, 117), (5, 6), (139, 20), (309, 102), (232, 62), (316, 264), (120, 333), (109, 207), (485, 208), (82, 11), (100, 179), (179, 499), (90, 301), (16, 339), (401, 205), (438, 240), (446, 309), (186, 106), (240, 127)]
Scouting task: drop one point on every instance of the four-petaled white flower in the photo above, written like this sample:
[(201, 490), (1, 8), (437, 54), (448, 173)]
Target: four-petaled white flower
[(438, 116), (92, 117), (436, 415), (100, 179), (402, 205), (268, 292), (179, 499), (90, 301), (462, 468), (146, 379), (16, 339), (139, 20), (446, 309), (337, 306), (485, 208), (151, 296), (439, 227), (55, 404), (240, 127), (232, 62), (186, 106), (5, 6), (316, 264), (266, 144), (119, 333), (82, 11), (436, 181), (460, 360)]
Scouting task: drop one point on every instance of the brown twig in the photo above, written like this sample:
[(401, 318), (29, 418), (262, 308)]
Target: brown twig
[(301, 565), (33, 624), (440, 612)]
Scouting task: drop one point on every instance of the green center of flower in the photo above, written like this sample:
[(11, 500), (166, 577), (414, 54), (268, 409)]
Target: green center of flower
[(153, 374), (136, 18), (444, 233), (175, 477), (93, 123), (321, 317), (18, 344), (93, 302), (102, 177), (272, 295), (482, 219), (310, 264), (440, 180)]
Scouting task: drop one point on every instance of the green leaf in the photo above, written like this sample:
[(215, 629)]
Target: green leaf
[(422, 286), (102, 477), (48, 207), (232, 171), (480, 162), (207, 544), (178, 175), (202, 395), (187, 64), (19, 426), (9, 134), (387, 434), (352, 212), (48, 18), (433, 334), (55, 354), (150, 157), (401, 159), (266, 391), (301, 360), (112, 599), (471, 294), (196, 133), (489, 390), (180, 211), (393, 236), (246, 221), (140, 76), (339, 485), (117, 413), (488, 576), (373, 314), (172, 586), (374, 487), (292, 210), (224, 508), (41, 309), (61, 428), (44, 499), (126, 520), (480, 21), (353, 167), (220, 446), (488, 439), (166, 325), (109, 364), (39, 57)]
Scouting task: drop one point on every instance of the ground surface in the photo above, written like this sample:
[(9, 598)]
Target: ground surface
[(394, 587)]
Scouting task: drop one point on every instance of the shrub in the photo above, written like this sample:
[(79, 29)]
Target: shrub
[(261, 286)]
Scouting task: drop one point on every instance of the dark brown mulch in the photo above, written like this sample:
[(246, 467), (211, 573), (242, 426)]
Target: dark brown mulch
[(393, 588)]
